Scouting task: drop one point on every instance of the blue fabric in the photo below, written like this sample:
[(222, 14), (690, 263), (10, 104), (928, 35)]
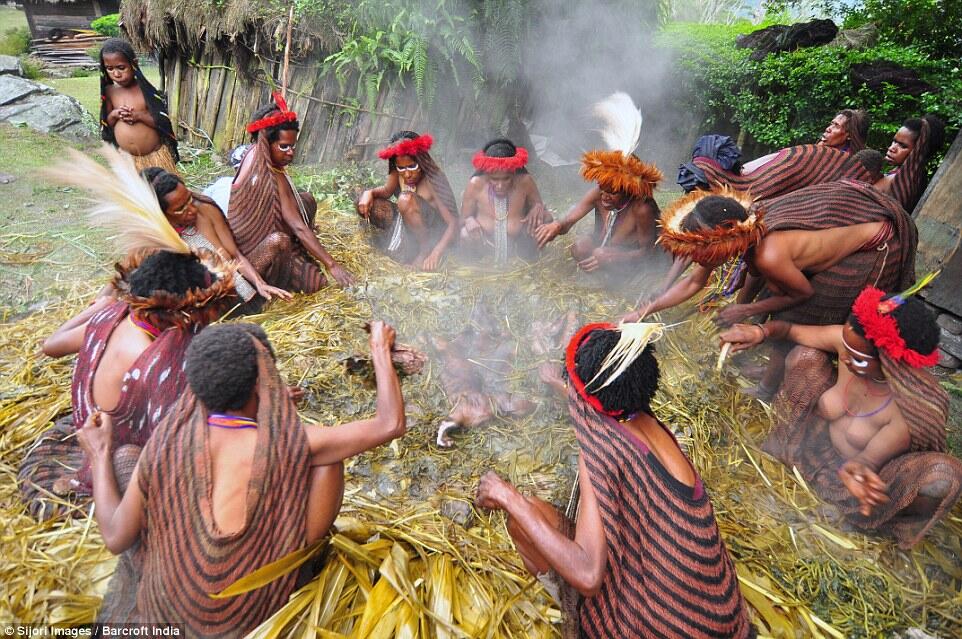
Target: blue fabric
[(720, 148)]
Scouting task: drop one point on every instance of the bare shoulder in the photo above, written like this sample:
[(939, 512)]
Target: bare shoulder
[(475, 184)]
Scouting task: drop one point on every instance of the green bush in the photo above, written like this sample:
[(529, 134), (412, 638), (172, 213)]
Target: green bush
[(15, 41), (788, 98), (107, 25), (32, 67)]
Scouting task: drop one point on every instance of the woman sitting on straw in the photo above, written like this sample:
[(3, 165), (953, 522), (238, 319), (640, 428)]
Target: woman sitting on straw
[(871, 437), (265, 487), (201, 224), (421, 225), (646, 554)]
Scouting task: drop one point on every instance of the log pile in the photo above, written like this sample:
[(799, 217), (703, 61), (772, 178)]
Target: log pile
[(67, 48)]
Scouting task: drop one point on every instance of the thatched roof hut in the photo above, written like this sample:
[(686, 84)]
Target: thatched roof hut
[(220, 60), (47, 18)]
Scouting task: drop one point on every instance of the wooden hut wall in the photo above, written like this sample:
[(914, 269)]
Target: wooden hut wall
[(211, 103), (44, 17)]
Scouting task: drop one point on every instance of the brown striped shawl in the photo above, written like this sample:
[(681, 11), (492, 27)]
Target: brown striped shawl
[(669, 573), (255, 216), (836, 204), (802, 438), (791, 169), (910, 176), (184, 555)]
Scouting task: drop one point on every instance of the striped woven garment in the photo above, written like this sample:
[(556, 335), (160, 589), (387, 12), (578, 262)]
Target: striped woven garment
[(150, 389), (257, 221), (185, 556), (801, 438), (669, 573), (791, 169), (838, 204)]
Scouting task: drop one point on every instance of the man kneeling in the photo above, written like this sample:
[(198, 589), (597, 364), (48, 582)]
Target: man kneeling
[(646, 554), (230, 482)]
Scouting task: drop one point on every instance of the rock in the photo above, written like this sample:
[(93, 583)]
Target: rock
[(949, 323), (951, 344), (949, 361), (26, 103), (13, 88), (916, 633), (458, 511), (6, 178), (861, 37), (10, 65)]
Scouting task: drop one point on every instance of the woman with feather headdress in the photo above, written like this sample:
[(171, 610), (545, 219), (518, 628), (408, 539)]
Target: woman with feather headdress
[(501, 206), (130, 347), (625, 211), (645, 555)]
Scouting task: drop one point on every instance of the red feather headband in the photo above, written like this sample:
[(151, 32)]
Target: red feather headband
[(284, 115), (489, 164), (417, 146), (881, 329), (579, 384)]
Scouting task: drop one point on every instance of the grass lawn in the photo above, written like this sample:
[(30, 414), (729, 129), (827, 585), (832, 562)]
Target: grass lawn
[(11, 18)]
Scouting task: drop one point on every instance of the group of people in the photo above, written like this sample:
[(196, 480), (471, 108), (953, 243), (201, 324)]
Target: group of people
[(188, 441)]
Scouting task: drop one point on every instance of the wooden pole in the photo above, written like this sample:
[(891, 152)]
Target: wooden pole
[(287, 52)]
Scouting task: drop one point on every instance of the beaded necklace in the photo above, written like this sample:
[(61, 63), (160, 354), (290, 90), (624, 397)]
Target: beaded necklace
[(234, 422), (151, 330)]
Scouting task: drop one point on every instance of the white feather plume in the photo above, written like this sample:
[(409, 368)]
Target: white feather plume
[(622, 122), (121, 200)]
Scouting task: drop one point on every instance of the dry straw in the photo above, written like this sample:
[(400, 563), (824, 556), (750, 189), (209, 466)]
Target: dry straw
[(399, 568)]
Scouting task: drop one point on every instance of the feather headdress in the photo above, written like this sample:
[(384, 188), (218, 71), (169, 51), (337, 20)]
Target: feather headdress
[(633, 339), (709, 245), (618, 169), (121, 201)]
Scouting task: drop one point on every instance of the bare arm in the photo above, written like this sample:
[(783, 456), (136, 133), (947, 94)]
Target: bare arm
[(389, 188), (306, 237), (780, 273), (225, 238), (551, 230), (337, 443), (120, 518), (581, 562), (683, 289), (68, 339), (824, 338), (453, 225)]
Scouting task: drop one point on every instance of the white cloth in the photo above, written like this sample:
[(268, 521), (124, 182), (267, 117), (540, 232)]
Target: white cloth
[(219, 191)]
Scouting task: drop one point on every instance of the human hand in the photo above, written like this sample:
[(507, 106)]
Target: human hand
[(472, 227), (600, 256), (864, 484), (547, 232), (431, 262), (269, 292), (341, 275), (296, 393), (493, 492), (742, 336), (731, 314), (364, 203), (535, 217), (96, 435), (382, 335)]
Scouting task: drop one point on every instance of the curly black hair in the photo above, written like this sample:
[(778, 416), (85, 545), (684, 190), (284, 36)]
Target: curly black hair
[(273, 132), (713, 211), (633, 390), (175, 273), (221, 366), (916, 325), (163, 182), (872, 160), (501, 148)]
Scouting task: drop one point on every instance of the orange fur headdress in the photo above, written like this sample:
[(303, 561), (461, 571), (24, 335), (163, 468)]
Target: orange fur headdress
[(709, 245), (196, 307), (617, 171)]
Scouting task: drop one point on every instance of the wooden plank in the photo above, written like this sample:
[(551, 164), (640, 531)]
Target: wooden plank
[(938, 215)]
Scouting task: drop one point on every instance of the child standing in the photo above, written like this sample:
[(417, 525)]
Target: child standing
[(133, 114)]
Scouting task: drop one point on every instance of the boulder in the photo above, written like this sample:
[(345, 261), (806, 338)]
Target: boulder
[(10, 65), (27, 103), (951, 344), (861, 37), (950, 324)]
